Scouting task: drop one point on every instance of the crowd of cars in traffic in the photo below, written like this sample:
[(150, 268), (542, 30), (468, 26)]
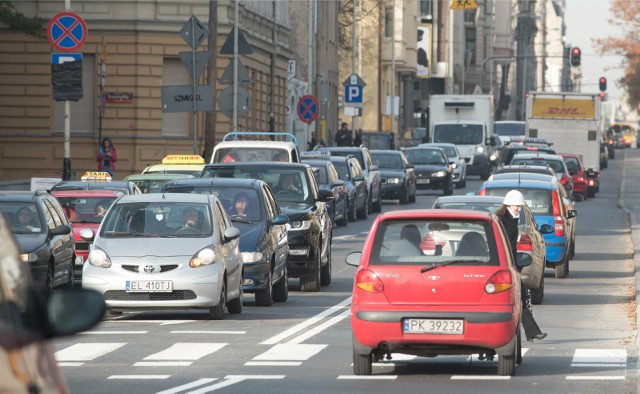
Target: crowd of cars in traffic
[(190, 235)]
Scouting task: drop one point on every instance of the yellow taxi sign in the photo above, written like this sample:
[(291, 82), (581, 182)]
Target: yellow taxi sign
[(183, 159), (96, 176), (463, 5)]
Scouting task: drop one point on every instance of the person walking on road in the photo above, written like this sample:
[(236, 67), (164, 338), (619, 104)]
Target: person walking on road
[(107, 156), (343, 136), (509, 214)]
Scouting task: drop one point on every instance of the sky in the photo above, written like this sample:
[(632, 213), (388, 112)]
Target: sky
[(587, 20)]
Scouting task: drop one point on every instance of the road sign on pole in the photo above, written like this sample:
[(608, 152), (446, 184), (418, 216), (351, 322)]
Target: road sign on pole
[(353, 95), (194, 32), (180, 98), (201, 62), (225, 103), (67, 31), (243, 45), (308, 108)]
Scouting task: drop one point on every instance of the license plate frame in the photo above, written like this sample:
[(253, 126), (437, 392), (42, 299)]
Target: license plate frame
[(433, 326), (149, 286), (423, 181)]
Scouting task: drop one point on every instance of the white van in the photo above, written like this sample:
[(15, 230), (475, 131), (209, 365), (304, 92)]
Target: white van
[(233, 149)]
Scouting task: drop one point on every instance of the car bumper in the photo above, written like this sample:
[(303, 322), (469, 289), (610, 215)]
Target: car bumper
[(478, 166), (302, 253), (433, 183), (482, 330), (255, 276), (392, 190), (191, 287), (579, 187), (555, 253)]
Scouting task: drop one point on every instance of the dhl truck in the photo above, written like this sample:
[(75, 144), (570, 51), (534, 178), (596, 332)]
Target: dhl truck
[(572, 122)]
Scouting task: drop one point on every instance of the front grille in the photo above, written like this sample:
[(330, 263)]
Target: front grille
[(163, 268), (82, 246), (424, 175), (383, 180), (176, 295)]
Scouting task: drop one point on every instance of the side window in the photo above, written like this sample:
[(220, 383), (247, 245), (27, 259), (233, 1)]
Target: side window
[(57, 208), (367, 158), (333, 174), (220, 222), (271, 201), (268, 205), (49, 213)]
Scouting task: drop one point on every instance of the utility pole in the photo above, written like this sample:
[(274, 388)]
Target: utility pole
[(272, 120), (393, 66), (353, 66), (66, 163), (234, 126), (210, 116)]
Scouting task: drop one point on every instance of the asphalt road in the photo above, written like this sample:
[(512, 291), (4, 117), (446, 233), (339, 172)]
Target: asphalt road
[(304, 345)]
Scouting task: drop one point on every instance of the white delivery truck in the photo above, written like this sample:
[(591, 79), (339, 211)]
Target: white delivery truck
[(572, 122), (466, 121)]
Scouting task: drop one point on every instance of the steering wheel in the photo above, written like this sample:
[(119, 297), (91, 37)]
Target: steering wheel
[(187, 230)]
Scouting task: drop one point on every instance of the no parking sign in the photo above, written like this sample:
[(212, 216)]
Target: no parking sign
[(308, 108), (67, 31)]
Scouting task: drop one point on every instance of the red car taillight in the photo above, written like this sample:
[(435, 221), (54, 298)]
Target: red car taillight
[(557, 218), (525, 243), (499, 282), (483, 192), (369, 282), (564, 179), (610, 142), (591, 182), (579, 179)]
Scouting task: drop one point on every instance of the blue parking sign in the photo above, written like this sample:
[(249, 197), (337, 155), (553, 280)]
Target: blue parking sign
[(353, 95)]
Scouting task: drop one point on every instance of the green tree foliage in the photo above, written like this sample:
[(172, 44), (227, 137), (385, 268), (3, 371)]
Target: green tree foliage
[(18, 22)]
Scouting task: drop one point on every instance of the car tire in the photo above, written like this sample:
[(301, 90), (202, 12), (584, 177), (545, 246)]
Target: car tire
[(235, 306), (311, 282), (71, 281), (519, 347), (377, 206), (538, 294), (486, 173), (325, 271), (217, 311), (264, 297), (343, 222), (281, 289), (507, 363), (562, 269), (463, 182), (352, 215), (48, 282), (591, 192), (362, 364), (448, 189), (404, 195), (364, 212)]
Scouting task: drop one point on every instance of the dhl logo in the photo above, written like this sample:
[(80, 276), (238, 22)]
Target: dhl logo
[(558, 108), (563, 111)]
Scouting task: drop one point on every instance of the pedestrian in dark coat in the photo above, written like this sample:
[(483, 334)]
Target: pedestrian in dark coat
[(343, 136)]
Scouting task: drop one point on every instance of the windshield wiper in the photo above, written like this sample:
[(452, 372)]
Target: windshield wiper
[(449, 262), (240, 219)]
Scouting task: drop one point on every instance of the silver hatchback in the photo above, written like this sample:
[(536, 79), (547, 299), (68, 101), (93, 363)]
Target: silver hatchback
[(166, 251)]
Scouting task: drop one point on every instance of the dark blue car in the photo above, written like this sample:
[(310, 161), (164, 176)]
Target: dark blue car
[(254, 210), (328, 178)]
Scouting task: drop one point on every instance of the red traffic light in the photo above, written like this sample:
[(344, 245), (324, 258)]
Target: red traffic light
[(603, 96), (575, 51), (576, 54), (602, 83)]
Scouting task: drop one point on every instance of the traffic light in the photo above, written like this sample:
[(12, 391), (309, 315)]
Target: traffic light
[(603, 96), (575, 57), (603, 84)]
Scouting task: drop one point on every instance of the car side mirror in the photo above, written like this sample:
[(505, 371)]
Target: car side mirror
[(87, 234), (572, 213), (325, 195), (491, 141), (358, 178), (70, 311), (523, 260), (353, 258), (280, 220), (230, 234), (337, 183), (62, 229), (546, 229)]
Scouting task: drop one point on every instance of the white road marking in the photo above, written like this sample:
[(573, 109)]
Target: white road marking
[(138, 377), (595, 377), (187, 386), (369, 377), (86, 351), (318, 329), (599, 358), (233, 379), (290, 352), (186, 351), (309, 322), (208, 332), (113, 332), (161, 322), (480, 377), (63, 364), (273, 363), (162, 364), (342, 237)]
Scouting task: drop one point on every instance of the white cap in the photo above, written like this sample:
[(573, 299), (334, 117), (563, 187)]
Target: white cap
[(514, 197)]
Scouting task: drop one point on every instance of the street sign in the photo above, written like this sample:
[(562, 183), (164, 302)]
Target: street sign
[(354, 79), (225, 103), (67, 31), (243, 75), (291, 70), (201, 62), (243, 45), (59, 58), (353, 95), (308, 108), (200, 32), (180, 98), (463, 5)]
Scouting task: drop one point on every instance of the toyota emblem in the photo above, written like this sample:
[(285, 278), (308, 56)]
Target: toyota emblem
[(149, 269)]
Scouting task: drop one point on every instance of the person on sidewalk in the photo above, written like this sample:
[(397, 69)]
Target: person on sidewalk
[(343, 136), (509, 214)]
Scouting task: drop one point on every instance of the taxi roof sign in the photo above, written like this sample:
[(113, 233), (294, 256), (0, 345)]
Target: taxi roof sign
[(315, 154), (96, 176), (183, 159)]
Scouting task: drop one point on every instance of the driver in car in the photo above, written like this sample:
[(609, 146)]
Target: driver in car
[(190, 216), (286, 183)]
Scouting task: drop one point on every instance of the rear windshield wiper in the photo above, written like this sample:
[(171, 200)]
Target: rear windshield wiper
[(449, 262)]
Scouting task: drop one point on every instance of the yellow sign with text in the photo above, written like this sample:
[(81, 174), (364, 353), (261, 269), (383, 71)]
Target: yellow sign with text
[(563, 109), (463, 5)]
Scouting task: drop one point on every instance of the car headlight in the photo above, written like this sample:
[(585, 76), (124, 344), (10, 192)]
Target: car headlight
[(492, 157), (205, 256), (480, 149), (299, 225), (252, 257), (28, 257), (439, 174), (395, 181), (454, 165), (99, 258)]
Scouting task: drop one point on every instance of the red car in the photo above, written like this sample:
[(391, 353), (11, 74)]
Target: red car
[(462, 299), (85, 209), (577, 172)]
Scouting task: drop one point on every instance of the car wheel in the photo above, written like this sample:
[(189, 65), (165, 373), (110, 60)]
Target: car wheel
[(363, 213), (485, 175), (377, 206), (325, 272), (281, 289), (562, 269), (264, 297), (352, 216), (362, 363), (519, 347), (507, 363), (311, 282), (404, 195), (48, 284), (591, 192), (412, 198), (345, 212), (217, 311), (235, 306), (71, 281), (538, 294), (448, 189)]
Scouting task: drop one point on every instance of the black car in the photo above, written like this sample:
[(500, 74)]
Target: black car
[(328, 178), (546, 170), (554, 161), (523, 145), (44, 236), (397, 175), (309, 228), (254, 211), (126, 187), (432, 168)]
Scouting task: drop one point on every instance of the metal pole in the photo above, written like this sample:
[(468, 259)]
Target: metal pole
[(309, 67), (66, 164), (212, 46), (272, 123), (353, 65), (234, 126), (393, 66), (195, 87)]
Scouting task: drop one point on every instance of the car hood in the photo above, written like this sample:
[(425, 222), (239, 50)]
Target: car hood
[(424, 168), (157, 246), (297, 211), (391, 173), (30, 242), (250, 234)]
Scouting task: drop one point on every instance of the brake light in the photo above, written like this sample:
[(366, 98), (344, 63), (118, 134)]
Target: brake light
[(525, 243), (530, 148), (579, 179), (591, 182), (557, 218), (483, 192), (368, 281), (610, 142), (499, 282), (564, 179)]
